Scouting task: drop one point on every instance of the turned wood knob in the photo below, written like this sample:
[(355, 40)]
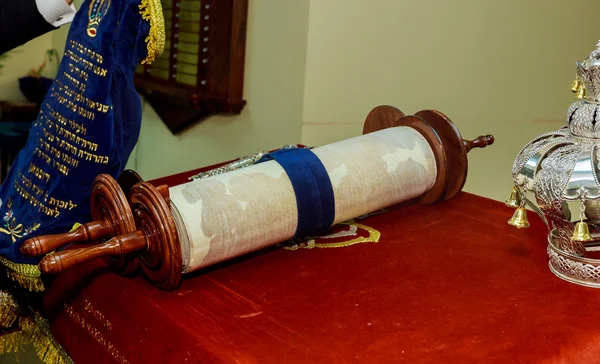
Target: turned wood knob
[(155, 244), (110, 210), (41, 245), (481, 142), (58, 262)]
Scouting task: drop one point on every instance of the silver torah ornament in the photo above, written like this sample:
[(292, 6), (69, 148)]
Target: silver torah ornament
[(237, 164), (560, 170)]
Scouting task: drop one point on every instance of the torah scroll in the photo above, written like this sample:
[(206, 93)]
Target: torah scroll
[(290, 194)]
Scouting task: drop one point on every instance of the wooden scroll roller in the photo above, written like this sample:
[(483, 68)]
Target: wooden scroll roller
[(398, 159), (111, 216)]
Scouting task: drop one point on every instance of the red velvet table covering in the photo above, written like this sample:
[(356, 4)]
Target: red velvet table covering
[(448, 283)]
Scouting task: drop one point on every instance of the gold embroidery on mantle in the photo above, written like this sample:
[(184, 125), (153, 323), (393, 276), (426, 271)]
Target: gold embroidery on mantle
[(151, 11), (352, 231), (27, 276), (96, 12), (12, 228)]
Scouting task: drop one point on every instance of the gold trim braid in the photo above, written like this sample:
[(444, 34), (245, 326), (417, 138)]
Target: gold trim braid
[(26, 275), (151, 10), (40, 337), (9, 310), (11, 342), (36, 332)]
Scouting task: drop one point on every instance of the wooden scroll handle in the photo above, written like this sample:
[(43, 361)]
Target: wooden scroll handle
[(91, 231), (154, 242), (444, 138), (41, 245), (119, 245), (111, 216), (480, 142)]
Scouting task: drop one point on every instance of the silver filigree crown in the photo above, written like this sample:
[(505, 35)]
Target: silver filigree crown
[(587, 81), (583, 116), (557, 175)]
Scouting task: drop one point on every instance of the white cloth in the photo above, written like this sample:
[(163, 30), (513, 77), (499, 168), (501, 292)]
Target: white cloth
[(56, 12)]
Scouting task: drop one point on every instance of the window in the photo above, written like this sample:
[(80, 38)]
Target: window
[(201, 70)]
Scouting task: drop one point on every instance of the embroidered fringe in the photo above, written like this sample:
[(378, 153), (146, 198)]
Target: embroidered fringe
[(11, 342), (40, 337), (9, 310), (27, 276), (151, 10), (34, 332)]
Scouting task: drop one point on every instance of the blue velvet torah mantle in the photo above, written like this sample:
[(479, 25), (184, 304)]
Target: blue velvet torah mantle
[(88, 124)]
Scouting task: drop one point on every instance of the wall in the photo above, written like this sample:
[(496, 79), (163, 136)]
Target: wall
[(315, 68), (18, 64), (274, 89), (499, 67)]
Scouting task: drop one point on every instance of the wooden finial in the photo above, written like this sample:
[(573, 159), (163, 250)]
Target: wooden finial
[(154, 244), (41, 245), (445, 140), (480, 142), (119, 245), (110, 211)]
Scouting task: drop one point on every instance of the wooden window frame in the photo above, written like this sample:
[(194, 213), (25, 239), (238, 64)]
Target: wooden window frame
[(221, 50)]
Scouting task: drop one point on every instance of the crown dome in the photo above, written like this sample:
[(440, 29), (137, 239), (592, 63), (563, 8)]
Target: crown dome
[(583, 116), (561, 168)]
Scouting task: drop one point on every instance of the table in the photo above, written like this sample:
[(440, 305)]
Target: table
[(448, 283)]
